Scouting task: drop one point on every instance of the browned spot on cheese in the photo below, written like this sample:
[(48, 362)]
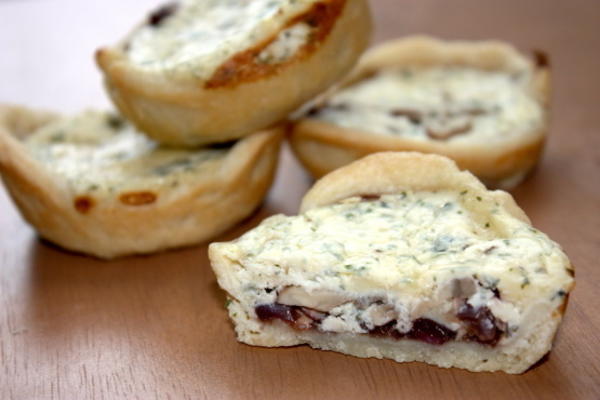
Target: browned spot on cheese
[(490, 249), (157, 17), (83, 204), (370, 197), (413, 115), (445, 135), (244, 66), (541, 58), (137, 198), (474, 112)]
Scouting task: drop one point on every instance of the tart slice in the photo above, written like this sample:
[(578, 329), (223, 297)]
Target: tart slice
[(400, 256), (205, 71), (483, 104), (92, 184)]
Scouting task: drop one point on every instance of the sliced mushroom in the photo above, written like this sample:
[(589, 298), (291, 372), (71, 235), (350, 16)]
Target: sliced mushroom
[(380, 314), (414, 116), (445, 134), (462, 288), (321, 300)]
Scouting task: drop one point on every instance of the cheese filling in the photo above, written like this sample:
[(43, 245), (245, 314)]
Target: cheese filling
[(287, 44), (416, 265), (100, 153), (456, 104), (200, 35)]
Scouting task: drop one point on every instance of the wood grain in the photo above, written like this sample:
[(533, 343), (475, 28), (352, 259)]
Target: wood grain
[(154, 327)]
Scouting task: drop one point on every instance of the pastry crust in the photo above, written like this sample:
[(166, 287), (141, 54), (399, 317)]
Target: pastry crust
[(391, 172), (308, 285), (242, 95), (323, 146), (109, 224)]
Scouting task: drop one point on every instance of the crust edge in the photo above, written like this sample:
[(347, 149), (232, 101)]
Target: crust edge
[(393, 172)]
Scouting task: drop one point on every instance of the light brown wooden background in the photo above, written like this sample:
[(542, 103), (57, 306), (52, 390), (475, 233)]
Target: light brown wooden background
[(155, 327)]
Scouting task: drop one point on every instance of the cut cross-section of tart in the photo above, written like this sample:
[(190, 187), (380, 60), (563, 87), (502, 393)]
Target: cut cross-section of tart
[(205, 71), (400, 256), (92, 184), (483, 104)]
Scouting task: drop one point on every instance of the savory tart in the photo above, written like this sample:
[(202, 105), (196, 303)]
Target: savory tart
[(400, 256), (206, 71), (92, 184), (483, 104)]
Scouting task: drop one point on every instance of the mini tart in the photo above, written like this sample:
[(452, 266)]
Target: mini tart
[(210, 71), (92, 184), (400, 256), (483, 104)]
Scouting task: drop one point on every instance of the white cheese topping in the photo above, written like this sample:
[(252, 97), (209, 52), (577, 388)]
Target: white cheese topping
[(458, 104), (98, 152), (287, 44), (202, 34), (410, 251)]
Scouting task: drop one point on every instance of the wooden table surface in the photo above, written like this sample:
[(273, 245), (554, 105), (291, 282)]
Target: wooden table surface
[(155, 327)]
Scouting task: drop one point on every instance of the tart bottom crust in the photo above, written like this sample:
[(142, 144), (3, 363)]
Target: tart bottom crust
[(191, 215), (323, 147)]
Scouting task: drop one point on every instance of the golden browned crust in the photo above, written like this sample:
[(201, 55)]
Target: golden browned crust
[(224, 107), (323, 147), (140, 222)]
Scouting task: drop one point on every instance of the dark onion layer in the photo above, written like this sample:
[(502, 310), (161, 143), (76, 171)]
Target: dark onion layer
[(480, 324)]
